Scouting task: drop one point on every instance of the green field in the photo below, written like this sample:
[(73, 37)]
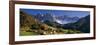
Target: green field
[(61, 31), (23, 33)]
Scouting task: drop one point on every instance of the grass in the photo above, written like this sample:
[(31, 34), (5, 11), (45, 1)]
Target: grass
[(69, 31), (64, 31), (23, 33), (26, 31)]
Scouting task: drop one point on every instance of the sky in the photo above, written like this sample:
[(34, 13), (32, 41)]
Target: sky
[(70, 13)]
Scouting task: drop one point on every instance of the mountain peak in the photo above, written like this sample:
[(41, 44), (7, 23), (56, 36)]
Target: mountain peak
[(61, 19)]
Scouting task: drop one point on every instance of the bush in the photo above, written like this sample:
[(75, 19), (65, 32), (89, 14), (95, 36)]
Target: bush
[(34, 26)]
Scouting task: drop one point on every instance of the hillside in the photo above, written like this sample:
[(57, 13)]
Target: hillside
[(26, 20), (31, 26), (82, 25)]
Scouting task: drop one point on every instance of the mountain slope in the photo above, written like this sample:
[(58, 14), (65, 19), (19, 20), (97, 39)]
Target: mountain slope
[(26, 20), (82, 24), (31, 26)]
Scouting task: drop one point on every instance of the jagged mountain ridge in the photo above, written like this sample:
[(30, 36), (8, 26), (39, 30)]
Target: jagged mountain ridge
[(63, 19)]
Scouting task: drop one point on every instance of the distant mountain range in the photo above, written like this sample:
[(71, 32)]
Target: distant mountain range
[(63, 19)]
